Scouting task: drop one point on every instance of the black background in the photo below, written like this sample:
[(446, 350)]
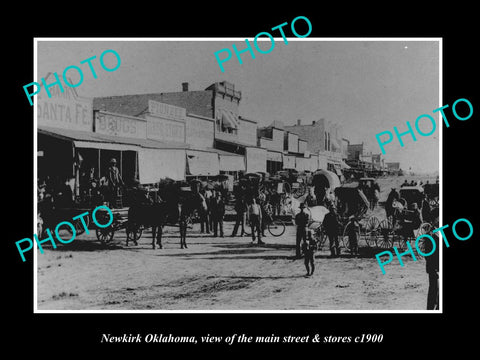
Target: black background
[(81, 333)]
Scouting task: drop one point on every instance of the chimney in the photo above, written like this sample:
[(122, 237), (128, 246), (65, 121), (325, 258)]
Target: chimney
[(299, 122), (185, 86), (313, 122)]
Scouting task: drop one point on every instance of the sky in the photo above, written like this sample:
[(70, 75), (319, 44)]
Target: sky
[(366, 86)]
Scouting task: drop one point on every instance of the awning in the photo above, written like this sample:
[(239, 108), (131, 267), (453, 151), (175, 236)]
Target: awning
[(156, 164), (229, 119), (232, 163), (344, 165), (229, 161), (256, 159), (288, 162), (274, 156), (202, 163), (84, 139)]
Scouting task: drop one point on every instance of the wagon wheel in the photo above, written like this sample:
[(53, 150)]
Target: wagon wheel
[(134, 233), (105, 235), (401, 242), (385, 230), (425, 228), (346, 240), (371, 231)]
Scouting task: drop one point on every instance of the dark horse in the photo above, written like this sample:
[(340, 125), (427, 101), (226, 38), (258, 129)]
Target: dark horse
[(168, 211)]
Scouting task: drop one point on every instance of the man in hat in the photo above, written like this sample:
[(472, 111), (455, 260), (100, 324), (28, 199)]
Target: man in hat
[(255, 217), (240, 208), (352, 230), (411, 221), (217, 213), (301, 220), (309, 247), (114, 180), (330, 226)]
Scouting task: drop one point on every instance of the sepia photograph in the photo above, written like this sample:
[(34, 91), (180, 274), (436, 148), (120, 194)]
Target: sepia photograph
[(237, 175)]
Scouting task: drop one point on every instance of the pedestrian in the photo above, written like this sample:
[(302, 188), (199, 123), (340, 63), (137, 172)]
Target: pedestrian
[(204, 218), (309, 246), (432, 269), (405, 183), (209, 196), (240, 208), (412, 221), (352, 230), (255, 217), (301, 220), (114, 181), (217, 213), (330, 226), (262, 202), (182, 223)]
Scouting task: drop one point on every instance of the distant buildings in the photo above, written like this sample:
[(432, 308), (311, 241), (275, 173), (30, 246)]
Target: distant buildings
[(179, 135), (365, 162), (325, 139)]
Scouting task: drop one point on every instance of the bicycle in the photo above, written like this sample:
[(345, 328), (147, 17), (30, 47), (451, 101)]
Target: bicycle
[(276, 227)]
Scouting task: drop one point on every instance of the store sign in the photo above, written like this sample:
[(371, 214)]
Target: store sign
[(165, 130), (119, 125), (64, 110), (166, 111)]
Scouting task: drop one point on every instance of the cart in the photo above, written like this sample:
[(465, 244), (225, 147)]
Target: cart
[(120, 221)]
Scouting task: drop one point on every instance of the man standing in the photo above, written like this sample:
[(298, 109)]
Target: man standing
[(218, 212), (255, 216), (114, 180), (330, 226), (309, 247), (301, 220), (240, 218), (204, 219)]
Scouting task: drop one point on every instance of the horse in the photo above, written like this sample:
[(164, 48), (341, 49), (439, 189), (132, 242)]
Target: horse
[(157, 215)]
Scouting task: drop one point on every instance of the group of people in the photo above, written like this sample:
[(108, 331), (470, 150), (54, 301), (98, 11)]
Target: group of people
[(250, 209), (415, 183), (305, 241), (212, 212)]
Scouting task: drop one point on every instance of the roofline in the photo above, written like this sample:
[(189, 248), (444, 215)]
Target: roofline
[(122, 115)]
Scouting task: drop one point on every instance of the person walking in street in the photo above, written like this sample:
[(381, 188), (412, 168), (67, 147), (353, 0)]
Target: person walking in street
[(352, 230), (432, 268), (240, 208), (217, 213), (309, 246), (255, 217), (301, 220), (182, 223), (330, 226)]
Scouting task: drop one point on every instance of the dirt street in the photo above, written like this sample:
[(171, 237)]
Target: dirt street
[(222, 274)]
